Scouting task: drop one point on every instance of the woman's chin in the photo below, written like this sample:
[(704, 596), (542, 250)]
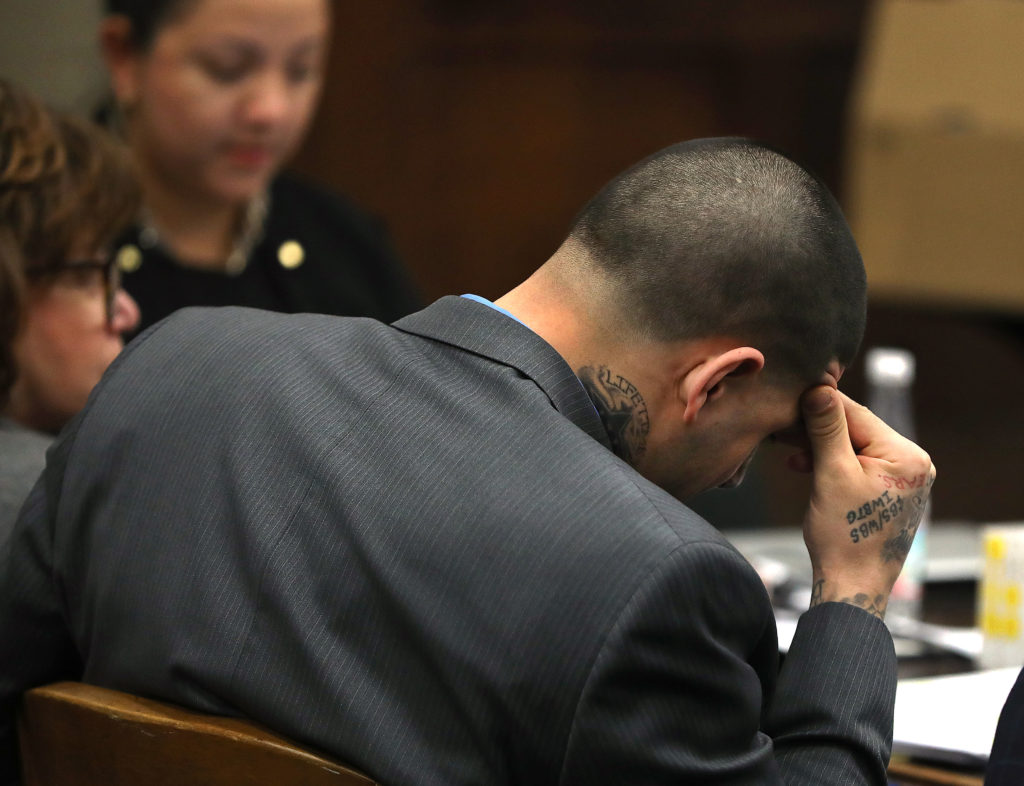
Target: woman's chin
[(240, 186)]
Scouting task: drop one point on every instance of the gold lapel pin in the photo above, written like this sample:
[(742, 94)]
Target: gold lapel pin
[(291, 254)]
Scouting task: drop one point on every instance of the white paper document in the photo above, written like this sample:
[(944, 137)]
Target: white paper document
[(951, 718)]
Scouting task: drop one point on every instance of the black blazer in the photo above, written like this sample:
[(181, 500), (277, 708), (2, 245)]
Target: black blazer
[(1006, 763), (412, 547), (348, 266)]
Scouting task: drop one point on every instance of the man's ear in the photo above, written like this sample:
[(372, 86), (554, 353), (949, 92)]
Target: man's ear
[(120, 53), (707, 380)]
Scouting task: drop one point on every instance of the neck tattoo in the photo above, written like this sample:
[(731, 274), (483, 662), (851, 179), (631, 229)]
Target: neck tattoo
[(622, 409)]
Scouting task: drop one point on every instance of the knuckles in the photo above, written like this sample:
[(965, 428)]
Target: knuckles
[(921, 464)]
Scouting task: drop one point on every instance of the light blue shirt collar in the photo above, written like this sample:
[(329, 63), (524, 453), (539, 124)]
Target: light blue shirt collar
[(507, 313), (488, 303)]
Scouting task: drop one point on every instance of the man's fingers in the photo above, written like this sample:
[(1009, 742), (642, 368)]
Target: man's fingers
[(825, 423), (863, 425)]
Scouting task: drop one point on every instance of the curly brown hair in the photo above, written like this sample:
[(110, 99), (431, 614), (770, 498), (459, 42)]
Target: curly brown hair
[(65, 185)]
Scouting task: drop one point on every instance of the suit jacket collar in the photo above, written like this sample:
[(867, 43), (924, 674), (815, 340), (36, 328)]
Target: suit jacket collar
[(484, 331)]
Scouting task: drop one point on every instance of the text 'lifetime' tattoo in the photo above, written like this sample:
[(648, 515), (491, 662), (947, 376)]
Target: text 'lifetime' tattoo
[(622, 409)]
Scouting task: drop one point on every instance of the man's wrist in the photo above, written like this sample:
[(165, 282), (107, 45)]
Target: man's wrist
[(873, 602)]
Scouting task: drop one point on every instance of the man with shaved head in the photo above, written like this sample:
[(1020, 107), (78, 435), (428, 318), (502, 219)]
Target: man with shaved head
[(456, 550)]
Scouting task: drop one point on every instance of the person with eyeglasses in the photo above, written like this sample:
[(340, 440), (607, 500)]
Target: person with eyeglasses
[(67, 189)]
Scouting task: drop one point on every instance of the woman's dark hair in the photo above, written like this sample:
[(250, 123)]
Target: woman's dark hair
[(146, 16), (65, 185)]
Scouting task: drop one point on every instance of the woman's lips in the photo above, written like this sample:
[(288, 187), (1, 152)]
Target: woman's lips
[(249, 156)]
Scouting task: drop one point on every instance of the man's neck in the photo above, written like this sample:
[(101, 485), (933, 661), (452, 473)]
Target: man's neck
[(623, 377)]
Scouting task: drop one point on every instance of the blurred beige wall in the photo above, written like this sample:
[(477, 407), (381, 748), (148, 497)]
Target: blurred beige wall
[(49, 47)]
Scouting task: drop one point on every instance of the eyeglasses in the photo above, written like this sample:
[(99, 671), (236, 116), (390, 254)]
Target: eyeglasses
[(82, 274)]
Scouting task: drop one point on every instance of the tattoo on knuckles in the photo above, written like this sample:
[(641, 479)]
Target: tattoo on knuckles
[(919, 481)]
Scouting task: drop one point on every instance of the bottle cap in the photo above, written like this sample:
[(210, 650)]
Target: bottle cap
[(889, 366)]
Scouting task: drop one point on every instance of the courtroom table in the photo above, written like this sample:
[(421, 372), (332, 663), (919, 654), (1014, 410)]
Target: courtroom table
[(945, 603), (903, 772)]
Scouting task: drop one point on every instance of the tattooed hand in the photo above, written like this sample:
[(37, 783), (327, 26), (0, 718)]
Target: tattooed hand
[(868, 496)]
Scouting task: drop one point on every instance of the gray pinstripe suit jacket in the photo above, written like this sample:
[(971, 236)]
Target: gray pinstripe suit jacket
[(412, 547)]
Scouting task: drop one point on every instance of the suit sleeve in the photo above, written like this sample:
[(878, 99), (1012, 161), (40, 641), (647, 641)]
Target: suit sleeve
[(832, 715), (682, 690)]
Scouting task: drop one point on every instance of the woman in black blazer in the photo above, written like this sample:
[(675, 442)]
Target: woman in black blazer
[(214, 96)]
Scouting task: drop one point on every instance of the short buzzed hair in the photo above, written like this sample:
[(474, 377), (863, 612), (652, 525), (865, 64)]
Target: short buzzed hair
[(728, 236)]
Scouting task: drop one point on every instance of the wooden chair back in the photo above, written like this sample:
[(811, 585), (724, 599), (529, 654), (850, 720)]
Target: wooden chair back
[(73, 734)]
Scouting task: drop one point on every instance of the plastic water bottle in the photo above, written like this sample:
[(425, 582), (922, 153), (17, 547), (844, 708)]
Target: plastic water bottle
[(890, 377)]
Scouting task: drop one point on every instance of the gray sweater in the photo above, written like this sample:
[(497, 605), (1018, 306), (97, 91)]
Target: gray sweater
[(22, 456)]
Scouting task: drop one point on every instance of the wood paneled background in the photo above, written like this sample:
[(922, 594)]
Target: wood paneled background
[(476, 129), (479, 127)]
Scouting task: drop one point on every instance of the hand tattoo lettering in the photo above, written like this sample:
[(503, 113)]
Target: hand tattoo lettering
[(881, 511)]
